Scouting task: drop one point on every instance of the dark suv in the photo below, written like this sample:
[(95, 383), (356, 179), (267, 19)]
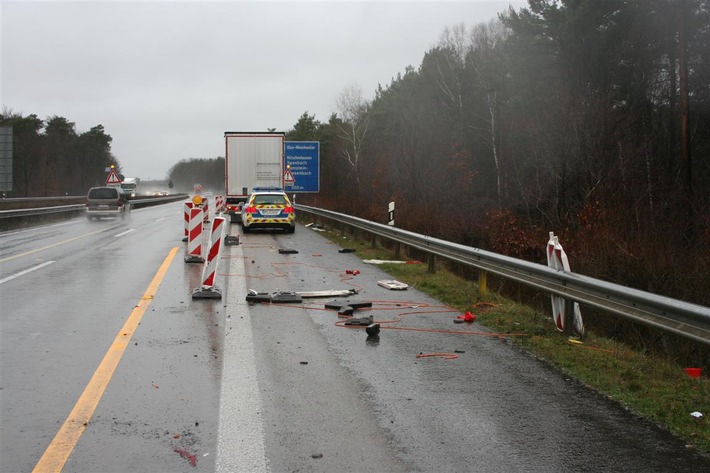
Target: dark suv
[(106, 202)]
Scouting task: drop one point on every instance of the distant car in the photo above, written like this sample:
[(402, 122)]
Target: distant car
[(268, 208), (106, 202)]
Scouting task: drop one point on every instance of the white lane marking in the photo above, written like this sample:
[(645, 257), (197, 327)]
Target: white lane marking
[(2, 260), (240, 441), (34, 229), (123, 233), (29, 270)]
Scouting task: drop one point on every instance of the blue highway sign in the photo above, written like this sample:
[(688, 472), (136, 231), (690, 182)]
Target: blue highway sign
[(303, 157)]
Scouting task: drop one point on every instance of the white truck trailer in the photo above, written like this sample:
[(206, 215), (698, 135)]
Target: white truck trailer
[(252, 159)]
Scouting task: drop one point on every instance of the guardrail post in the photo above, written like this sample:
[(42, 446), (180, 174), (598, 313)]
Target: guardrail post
[(482, 283), (431, 259), (397, 250), (373, 241)]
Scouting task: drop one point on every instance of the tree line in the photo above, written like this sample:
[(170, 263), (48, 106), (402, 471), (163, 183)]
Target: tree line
[(50, 158), (590, 119)]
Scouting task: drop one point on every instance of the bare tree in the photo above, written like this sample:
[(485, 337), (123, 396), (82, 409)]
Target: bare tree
[(352, 128)]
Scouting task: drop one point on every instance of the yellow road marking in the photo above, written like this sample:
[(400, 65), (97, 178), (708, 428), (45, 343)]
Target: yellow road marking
[(57, 454), (52, 245)]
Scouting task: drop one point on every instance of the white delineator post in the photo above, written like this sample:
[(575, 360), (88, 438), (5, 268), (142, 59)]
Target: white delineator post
[(208, 290), (188, 206), (194, 237)]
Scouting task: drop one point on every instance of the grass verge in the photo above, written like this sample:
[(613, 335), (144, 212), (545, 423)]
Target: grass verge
[(653, 388)]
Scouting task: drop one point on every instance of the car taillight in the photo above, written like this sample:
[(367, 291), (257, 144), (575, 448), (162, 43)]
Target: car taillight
[(288, 210), (250, 210)]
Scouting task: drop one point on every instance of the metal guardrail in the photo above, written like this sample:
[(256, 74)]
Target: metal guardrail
[(681, 318), (78, 207), (41, 211)]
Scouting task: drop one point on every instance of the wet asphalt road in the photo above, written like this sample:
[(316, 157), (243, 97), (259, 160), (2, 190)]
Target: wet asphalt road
[(229, 386)]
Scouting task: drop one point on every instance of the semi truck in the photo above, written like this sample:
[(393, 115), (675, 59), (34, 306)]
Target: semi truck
[(252, 159), (130, 186)]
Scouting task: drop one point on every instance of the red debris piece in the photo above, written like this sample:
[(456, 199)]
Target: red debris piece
[(352, 271), (467, 317), (187, 456)]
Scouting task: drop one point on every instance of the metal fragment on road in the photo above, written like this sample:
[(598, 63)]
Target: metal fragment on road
[(333, 293)]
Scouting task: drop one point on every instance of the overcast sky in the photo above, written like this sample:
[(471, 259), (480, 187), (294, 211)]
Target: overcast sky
[(167, 79)]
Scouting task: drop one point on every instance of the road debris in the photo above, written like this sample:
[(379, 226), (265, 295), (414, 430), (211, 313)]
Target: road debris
[(373, 330), (278, 297), (346, 250), (337, 305), (287, 251), (446, 356), (331, 293), (382, 261), (346, 310), (187, 456), (467, 317), (392, 285), (231, 240), (360, 322)]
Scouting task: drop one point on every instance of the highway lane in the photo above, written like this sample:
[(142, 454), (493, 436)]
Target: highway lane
[(237, 387), (59, 321), (363, 404)]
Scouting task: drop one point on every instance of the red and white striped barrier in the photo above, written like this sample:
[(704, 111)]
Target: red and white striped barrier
[(208, 290), (194, 241), (188, 206), (206, 210), (557, 259), (219, 203)]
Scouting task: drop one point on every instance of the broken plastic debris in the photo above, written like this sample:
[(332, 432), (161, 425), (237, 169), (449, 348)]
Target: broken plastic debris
[(373, 330), (231, 240), (467, 317), (346, 250), (354, 272), (362, 321), (279, 297), (381, 261), (696, 414), (337, 305), (286, 251), (392, 285)]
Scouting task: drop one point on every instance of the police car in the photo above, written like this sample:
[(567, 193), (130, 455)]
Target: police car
[(268, 207)]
